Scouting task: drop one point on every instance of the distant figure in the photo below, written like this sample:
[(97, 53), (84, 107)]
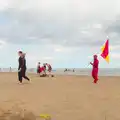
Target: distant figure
[(22, 67), (38, 68), (95, 68), (44, 65), (65, 70), (49, 68), (74, 70), (44, 68), (10, 69), (43, 71)]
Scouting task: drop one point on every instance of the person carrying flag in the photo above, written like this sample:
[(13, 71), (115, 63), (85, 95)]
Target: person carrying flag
[(95, 69), (104, 55)]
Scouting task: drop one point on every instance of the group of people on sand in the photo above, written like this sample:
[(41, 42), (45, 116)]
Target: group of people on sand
[(42, 70)]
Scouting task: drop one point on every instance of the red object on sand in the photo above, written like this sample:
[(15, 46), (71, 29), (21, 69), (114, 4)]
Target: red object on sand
[(42, 69)]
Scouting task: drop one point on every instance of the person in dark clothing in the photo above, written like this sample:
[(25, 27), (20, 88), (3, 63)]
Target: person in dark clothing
[(38, 68), (22, 67), (10, 69), (20, 60)]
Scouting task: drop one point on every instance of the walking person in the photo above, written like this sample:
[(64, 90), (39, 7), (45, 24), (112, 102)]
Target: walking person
[(22, 67)]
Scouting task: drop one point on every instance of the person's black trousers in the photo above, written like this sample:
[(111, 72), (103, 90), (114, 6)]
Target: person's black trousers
[(22, 74)]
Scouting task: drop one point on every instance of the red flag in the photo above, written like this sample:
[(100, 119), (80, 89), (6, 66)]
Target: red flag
[(105, 51)]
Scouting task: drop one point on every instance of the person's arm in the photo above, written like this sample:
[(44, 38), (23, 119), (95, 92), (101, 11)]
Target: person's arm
[(91, 63), (20, 64)]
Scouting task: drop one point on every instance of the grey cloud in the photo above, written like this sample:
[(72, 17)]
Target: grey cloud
[(114, 27), (44, 28), (113, 30)]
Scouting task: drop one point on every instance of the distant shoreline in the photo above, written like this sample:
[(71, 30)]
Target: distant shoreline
[(68, 74)]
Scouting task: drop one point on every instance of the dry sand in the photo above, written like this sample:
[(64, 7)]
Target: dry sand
[(63, 97)]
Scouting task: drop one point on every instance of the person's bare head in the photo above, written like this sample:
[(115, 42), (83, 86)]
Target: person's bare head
[(20, 53)]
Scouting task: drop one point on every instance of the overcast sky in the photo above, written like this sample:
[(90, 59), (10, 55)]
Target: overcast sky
[(65, 33)]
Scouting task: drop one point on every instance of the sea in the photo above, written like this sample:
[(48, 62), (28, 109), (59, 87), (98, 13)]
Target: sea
[(77, 71)]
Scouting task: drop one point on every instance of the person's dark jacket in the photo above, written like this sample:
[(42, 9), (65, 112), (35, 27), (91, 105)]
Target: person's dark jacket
[(24, 63), (20, 60)]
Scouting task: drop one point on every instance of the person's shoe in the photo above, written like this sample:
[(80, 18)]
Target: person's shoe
[(29, 80)]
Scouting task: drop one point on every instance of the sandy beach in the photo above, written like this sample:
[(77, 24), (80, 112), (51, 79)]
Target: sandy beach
[(63, 97)]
